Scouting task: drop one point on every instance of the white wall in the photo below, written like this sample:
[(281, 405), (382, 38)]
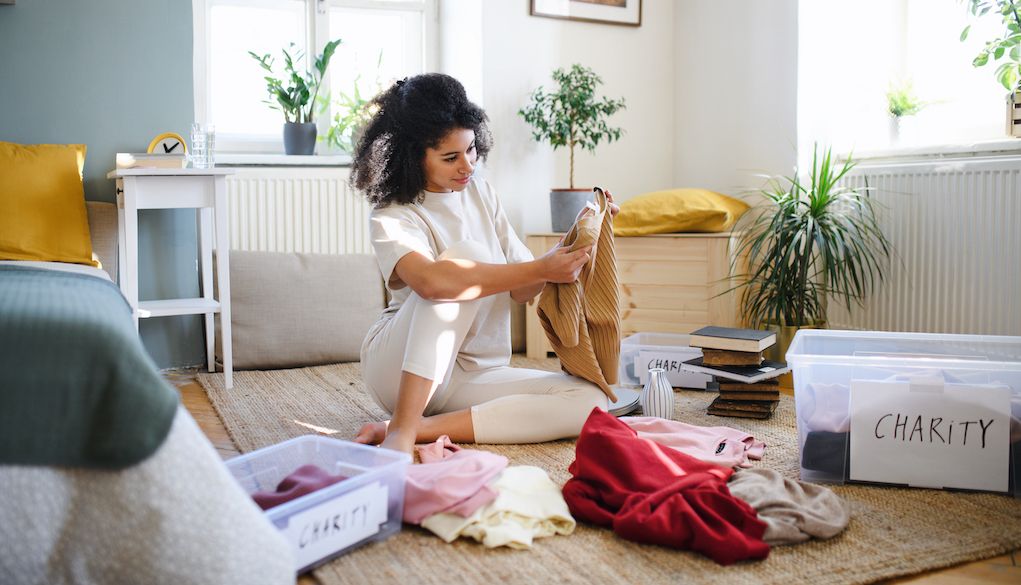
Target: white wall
[(520, 51), (736, 88)]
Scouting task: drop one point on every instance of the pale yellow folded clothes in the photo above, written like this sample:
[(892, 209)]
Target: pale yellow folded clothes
[(529, 506), (794, 511), (582, 318)]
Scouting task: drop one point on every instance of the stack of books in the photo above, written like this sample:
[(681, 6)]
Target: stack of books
[(140, 160), (748, 383)]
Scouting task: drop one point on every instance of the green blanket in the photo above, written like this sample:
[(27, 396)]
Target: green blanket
[(76, 386)]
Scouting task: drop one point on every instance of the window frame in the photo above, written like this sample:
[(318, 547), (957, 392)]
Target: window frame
[(317, 17)]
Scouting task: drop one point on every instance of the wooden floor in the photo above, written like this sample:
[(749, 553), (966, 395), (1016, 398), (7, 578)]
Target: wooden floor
[(1002, 570)]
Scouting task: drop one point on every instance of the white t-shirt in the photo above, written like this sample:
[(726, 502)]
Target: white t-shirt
[(429, 228)]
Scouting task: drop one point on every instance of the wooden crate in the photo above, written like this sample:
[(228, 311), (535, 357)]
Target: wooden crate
[(668, 284), (1014, 115)]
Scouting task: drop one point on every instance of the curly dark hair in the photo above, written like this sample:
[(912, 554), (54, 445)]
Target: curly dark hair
[(413, 114)]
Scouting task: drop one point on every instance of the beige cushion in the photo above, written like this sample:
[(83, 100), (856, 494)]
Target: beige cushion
[(290, 310), (103, 229)]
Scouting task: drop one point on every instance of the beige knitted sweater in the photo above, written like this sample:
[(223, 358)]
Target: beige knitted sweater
[(582, 318)]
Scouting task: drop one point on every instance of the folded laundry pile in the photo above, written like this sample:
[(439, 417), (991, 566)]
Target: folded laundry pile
[(471, 493)]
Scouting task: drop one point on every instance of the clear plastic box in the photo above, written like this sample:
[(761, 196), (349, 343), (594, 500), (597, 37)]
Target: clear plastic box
[(666, 350), (908, 393), (365, 507)]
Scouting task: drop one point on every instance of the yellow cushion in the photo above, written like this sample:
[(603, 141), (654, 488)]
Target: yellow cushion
[(677, 210), (42, 203)]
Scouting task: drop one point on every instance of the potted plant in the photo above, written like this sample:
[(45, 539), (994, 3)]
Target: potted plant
[(571, 116), (295, 95), (351, 112), (901, 102), (808, 241), (1008, 48)]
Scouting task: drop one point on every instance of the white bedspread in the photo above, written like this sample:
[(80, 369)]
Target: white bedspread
[(178, 517)]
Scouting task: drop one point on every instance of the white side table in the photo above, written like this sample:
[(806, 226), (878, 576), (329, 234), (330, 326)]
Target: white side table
[(186, 188)]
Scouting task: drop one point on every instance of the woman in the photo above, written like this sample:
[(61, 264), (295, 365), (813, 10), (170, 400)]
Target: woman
[(438, 358)]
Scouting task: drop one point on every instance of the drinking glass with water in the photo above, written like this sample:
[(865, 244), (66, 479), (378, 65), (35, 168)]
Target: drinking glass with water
[(203, 143)]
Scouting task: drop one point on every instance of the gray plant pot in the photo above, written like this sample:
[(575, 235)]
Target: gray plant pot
[(299, 137), (565, 204)]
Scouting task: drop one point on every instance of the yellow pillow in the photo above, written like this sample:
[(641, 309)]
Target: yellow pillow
[(677, 210), (42, 203)]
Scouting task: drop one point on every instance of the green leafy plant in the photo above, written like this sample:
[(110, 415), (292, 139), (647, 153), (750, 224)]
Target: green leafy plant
[(351, 112), (295, 94), (1007, 46), (901, 100), (807, 241), (571, 115)]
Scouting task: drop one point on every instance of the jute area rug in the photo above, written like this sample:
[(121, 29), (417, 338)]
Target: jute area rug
[(892, 532)]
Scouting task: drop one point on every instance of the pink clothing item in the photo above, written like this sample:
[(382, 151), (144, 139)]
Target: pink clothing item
[(449, 479), (304, 480), (720, 445)]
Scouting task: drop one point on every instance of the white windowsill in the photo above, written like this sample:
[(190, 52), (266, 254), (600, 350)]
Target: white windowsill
[(282, 160), (1002, 147)]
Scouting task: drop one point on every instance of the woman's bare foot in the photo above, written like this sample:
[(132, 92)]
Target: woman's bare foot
[(372, 433)]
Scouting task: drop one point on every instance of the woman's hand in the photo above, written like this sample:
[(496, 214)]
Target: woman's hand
[(562, 265), (614, 208)]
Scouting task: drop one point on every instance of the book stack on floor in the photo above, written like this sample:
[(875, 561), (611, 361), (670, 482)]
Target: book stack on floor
[(747, 383)]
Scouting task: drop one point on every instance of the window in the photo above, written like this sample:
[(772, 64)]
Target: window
[(382, 40), (851, 53)]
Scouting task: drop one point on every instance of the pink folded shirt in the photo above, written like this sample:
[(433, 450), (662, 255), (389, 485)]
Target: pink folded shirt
[(721, 445), (449, 479)]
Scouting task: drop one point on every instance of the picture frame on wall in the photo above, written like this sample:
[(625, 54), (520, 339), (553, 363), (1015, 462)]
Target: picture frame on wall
[(622, 12)]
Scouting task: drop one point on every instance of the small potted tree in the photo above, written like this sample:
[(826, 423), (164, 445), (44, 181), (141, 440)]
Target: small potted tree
[(1008, 48), (806, 242), (571, 116), (295, 95)]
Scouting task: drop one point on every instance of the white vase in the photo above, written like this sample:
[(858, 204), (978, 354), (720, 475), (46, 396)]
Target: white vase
[(658, 396), (894, 130)]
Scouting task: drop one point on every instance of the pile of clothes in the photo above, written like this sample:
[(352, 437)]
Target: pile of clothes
[(650, 480)]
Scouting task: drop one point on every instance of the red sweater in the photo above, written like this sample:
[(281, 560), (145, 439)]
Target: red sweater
[(650, 493)]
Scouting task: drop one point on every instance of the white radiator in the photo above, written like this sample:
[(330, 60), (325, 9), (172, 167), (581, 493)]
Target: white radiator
[(955, 226), (302, 209)]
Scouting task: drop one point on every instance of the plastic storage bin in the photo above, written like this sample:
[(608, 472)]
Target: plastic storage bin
[(642, 351), (326, 523), (916, 409)]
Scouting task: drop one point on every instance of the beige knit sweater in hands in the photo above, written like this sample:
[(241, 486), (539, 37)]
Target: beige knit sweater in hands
[(582, 318)]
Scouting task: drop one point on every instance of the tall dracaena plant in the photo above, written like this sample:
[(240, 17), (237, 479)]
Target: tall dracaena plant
[(571, 115), (295, 95), (807, 241)]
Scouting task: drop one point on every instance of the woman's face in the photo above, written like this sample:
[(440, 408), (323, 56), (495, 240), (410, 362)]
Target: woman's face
[(449, 165)]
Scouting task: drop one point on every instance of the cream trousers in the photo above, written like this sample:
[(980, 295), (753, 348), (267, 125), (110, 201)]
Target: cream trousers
[(508, 405)]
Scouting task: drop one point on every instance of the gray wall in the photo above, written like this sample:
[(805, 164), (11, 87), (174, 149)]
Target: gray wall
[(111, 74)]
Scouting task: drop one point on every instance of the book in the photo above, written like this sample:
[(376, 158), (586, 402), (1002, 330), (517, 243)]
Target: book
[(139, 160), (770, 384), (738, 395), (749, 374), (733, 339), (724, 357), (736, 414), (760, 409)]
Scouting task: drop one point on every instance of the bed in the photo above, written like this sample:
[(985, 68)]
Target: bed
[(105, 477)]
